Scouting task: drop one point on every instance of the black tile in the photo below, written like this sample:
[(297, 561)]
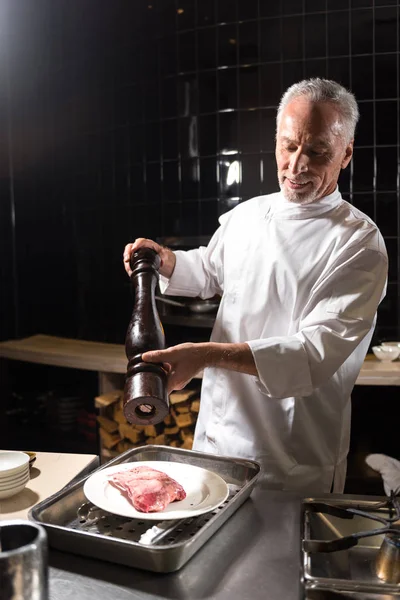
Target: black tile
[(386, 122), (229, 175), (247, 9), (315, 36), (269, 183), (387, 207), (386, 76), (385, 29), (248, 43), (137, 184), (226, 11), (170, 138), (270, 9), (169, 100), (268, 128), (292, 38), (315, 68), (365, 203), (151, 101), (386, 169), (206, 12), (207, 92), (187, 51), (270, 39), (339, 70), (251, 175), (188, 137), (365, 127), (153, 148), (226, 204), (228, 88), (208, 217), (170, 183), (227, 45), (271, 84), (385, 2), (361, 31), (207, 47), (388, 315), (190, 218), (136, 143), (153, 183), (392, 250), (168, 55), (150, 58), (292, 73), (249, 131), (190, 179), (249, 87), (314, 6), (208, 178), (361, 74), (228, 132), (363, 169), (173, 220), (186, 13), (208, 135), (292, 7), (337, 4), (338, 33), (187, 95), (361, 3)]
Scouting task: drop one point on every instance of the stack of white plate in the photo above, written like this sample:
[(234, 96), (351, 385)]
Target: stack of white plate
[(14, 472)]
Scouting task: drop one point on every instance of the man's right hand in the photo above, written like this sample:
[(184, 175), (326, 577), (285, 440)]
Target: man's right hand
[(166, 255)]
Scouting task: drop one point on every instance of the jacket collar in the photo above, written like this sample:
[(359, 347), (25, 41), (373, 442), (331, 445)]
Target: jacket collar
[(280, 208)]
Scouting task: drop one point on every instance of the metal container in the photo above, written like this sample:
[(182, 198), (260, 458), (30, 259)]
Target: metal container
[(75, 525), (23, 561)]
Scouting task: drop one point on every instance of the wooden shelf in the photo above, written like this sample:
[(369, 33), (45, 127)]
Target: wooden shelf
[(110, 358)]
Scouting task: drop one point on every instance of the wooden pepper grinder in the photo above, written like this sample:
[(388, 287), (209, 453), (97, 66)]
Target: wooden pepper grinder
[(145, 394)]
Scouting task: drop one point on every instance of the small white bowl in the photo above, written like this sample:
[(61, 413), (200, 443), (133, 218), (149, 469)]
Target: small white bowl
[(12, 462), (12, 491), (7, 481), (386, 353), (391, 344)]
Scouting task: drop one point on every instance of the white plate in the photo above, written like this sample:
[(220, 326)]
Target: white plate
[(204, 489)]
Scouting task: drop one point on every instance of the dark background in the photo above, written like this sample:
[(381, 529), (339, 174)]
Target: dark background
[(122, 119)]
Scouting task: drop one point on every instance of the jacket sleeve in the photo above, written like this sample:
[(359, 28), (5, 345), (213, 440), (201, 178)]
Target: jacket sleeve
[(197, 272), (339, 314)]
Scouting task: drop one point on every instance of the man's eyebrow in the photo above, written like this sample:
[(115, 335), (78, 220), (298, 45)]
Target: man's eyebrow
[(315, 143)]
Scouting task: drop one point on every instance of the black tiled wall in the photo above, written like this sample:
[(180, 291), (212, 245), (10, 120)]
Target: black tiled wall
[(151, 118)]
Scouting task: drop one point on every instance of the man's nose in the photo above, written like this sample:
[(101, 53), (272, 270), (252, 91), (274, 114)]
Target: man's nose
[(298, 162)]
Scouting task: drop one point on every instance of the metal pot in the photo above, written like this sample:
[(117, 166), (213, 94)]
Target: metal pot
[(196, 305)]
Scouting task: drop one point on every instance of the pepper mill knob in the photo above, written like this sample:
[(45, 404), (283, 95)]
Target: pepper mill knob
[(145, 393)]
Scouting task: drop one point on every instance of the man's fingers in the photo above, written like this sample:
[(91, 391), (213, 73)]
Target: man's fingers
[(155, 356)]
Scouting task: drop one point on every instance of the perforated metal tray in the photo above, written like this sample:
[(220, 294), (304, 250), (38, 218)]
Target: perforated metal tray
[(75, 525)]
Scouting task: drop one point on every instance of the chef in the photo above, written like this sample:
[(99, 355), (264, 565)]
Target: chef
[(301, 273)]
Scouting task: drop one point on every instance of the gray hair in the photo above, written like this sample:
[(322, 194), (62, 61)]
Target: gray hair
[(325, 90)]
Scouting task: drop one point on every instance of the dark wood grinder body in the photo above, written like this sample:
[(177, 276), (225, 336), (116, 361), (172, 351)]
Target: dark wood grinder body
[(145, 394)]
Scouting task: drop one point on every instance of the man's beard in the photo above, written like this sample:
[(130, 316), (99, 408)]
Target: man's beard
[(297, 197)]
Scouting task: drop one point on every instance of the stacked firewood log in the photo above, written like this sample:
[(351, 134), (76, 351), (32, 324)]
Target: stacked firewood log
[(177, 429)]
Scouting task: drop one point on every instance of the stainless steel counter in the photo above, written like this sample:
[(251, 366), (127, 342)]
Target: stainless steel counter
[(255, 555)]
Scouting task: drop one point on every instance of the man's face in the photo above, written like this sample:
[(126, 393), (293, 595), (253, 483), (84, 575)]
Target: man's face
[(310, 150)]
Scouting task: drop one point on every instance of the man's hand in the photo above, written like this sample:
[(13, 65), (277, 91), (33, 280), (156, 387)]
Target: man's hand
[(184, 361), (166, 255)]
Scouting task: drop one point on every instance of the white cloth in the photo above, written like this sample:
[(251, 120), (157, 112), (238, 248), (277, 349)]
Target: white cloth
[(300, 285), (389, 468)]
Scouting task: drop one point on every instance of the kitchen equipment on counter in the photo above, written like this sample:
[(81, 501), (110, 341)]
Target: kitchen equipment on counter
[(351, 547), (75, 525), (386, 353), (195, 305), (14, 472), (23, 561), (145, 394)]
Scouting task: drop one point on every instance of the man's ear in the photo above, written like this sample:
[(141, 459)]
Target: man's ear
[(348, 154)]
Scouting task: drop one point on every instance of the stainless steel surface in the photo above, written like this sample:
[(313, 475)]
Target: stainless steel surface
[(387, 566), (351, 570), (23, 561), (75, 525), (254, 556)]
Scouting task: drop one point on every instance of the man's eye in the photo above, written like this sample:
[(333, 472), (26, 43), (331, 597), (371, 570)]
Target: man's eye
[(316, 152)]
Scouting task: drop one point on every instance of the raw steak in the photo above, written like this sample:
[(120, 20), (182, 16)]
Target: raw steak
[(149, 490)]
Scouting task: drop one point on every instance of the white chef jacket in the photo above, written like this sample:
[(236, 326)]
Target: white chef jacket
[(301, 285)]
